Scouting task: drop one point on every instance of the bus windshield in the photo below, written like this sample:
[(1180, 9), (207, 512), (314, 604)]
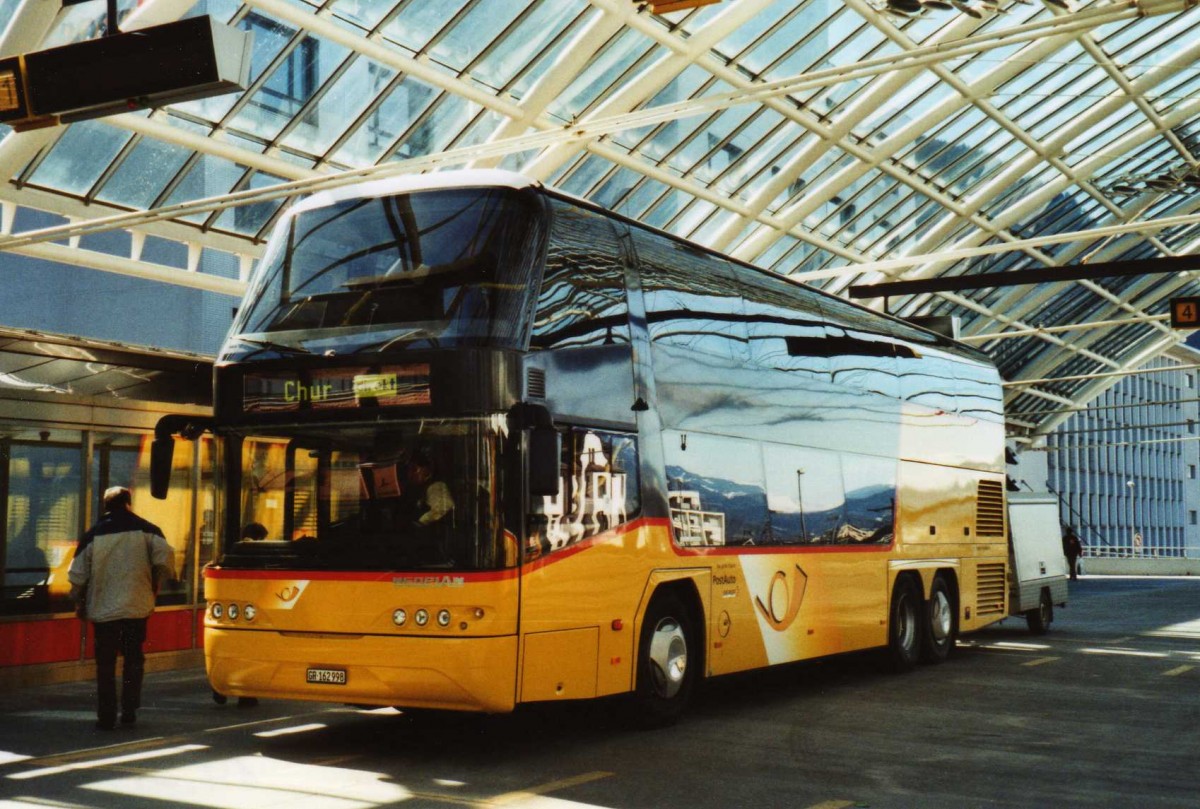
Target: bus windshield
[(431, 269), (399, 496)]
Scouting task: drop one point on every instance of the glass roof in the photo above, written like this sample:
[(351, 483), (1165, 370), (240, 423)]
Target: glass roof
[(843, 142)]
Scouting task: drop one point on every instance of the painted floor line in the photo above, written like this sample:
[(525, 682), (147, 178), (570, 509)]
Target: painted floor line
[(1041, 661), (1175, 672), (107, 762), (55, 759), (550, 786)]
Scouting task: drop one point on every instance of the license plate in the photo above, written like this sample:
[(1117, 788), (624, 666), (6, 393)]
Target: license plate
[(326, 676)]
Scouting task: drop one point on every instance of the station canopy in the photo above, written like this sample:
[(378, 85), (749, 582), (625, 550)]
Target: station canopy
[(844, 143)]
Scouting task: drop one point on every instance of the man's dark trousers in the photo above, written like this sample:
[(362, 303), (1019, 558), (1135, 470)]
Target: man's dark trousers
[(126, 637)]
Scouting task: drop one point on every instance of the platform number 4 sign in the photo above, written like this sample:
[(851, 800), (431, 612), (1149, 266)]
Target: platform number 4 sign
[(1185, 313)]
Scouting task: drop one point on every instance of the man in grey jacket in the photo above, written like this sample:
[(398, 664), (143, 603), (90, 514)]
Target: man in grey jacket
[(115, 576)]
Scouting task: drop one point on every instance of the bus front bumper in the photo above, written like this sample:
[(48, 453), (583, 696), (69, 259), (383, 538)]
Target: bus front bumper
[(465, 674)]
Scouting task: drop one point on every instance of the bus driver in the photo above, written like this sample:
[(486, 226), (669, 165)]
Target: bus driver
[(427, 504)]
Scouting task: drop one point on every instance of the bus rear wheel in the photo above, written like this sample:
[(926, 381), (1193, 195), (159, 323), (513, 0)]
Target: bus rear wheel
[(904, 625), (937, 641), (666, 673)]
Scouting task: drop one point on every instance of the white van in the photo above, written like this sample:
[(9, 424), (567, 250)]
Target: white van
[(1037, 567)]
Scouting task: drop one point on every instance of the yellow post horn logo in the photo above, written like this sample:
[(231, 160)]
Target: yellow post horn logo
[(792, 596)]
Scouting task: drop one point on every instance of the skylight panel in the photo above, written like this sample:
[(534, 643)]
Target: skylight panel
[(292, 83), (250, 220), (601, 73), (513, 53), (473, 32), (207, 176), (366, 14), (383, 125), (341, 104), (79, 157), (418, 23), (144, 173)]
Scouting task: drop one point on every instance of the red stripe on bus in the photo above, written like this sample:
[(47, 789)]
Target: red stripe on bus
[(354, 575), (583, 545)]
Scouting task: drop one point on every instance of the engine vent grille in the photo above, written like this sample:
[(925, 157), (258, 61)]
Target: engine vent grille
[(989, 509), (989, 589), (535, 383)]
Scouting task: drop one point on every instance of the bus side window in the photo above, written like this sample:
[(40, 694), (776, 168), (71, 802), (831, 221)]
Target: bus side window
[(870, 484), (599, 489), (715, 490), (805, 495), (582, 300)]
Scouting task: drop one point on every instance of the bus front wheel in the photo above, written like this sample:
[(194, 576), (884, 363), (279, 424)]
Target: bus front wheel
[(666, 672), (904, 625)]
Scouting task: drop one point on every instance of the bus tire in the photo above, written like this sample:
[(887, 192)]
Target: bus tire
[(904, 625), (1040, 618), (940, 629), (667, 651)]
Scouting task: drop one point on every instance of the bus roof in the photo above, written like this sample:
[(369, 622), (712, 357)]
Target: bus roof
[(407, 183)]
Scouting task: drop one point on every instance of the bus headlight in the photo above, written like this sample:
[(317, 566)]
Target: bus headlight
[(443, 617), (232, 612), (217, 611), (248, 612), (399, 617), (422, 617)]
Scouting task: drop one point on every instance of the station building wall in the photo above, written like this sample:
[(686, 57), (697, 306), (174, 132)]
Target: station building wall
[(57, 456), (1127, 467)]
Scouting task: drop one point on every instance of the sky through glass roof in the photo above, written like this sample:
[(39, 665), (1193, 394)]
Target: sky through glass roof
[(842, 142)]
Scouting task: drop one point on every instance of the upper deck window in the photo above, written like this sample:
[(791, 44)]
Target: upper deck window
[(425, 270)]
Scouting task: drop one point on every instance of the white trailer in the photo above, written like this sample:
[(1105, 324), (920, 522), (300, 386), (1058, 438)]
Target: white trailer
[(1037, 567)]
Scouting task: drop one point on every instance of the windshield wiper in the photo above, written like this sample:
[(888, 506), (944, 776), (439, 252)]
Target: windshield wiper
[(269, 345), (381, 345)]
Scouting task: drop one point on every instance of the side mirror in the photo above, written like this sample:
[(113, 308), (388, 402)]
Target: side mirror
[(545, 453), (162, 449), (162, 453)]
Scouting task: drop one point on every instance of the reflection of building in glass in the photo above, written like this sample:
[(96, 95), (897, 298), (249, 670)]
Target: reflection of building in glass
[(592, 498), (1127, 465), (693, 525)]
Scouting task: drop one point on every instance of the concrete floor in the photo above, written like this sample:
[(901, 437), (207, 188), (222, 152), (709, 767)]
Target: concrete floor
[(1102, 712)]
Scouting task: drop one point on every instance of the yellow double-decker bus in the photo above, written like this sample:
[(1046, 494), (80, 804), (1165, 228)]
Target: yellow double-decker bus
[(484, 444)]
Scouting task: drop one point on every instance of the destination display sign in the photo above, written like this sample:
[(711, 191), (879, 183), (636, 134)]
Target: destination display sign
[(337, 389), (12, 92)]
